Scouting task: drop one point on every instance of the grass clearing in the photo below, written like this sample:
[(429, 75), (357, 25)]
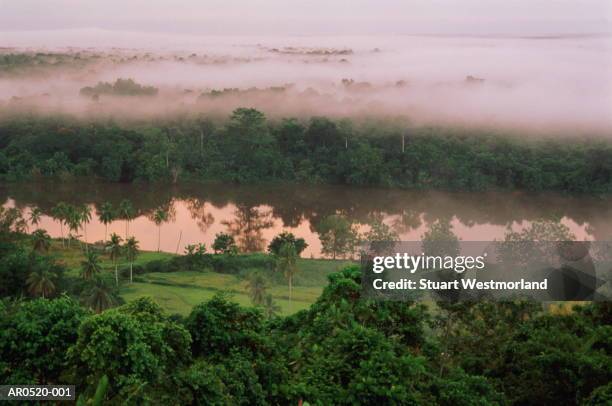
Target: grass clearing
[(179, 291)]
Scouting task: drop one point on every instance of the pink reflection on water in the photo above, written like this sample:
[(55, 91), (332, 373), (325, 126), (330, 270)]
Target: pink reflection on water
[(184, 229)]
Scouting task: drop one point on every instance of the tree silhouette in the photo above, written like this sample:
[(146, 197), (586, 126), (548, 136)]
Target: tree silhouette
[(60, 214), (73, 219), (85, 216), (35, 215), (106, 215), (247, 227), (160, 216), (127, 213)]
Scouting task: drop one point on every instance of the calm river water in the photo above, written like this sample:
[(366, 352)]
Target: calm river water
[(256, 213)]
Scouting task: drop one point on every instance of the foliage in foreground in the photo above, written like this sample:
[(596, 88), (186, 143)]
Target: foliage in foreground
[(343, 350)]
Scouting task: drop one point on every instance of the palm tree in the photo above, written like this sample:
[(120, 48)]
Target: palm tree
[(90, 267), (114, 246), (35, 215), (41, 240), (60, 214), (40, 283), (159, 216), (270, 307), (99, 297), (286, 263), (73, 219), (257, 288), (126, 212), (85, 217), (131, 252), (106, 215)]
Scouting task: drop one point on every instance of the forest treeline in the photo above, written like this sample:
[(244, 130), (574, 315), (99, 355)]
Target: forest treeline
[(248, 148)]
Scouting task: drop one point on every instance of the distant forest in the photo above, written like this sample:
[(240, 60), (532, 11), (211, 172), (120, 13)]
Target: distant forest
[(249, 148)]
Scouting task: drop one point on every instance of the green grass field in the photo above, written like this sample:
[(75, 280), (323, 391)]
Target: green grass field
[(178, 292)]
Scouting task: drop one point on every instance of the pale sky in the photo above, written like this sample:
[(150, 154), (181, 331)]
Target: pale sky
[(312, 17)]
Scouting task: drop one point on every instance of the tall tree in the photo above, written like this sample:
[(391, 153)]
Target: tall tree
[(35, 216), (127, 213), (286, 237), (60, 213), (85, 214), (106, 215), (74, 220), (160, 216), (338, 236), (114, 247), (99, 297), (40, 283), (256, 286), (286, 262), (90, 267), (224, 244), (131, 252), (270, 308), (41, 240)]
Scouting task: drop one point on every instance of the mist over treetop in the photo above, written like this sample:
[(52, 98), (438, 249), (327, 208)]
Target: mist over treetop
[(544, 83)]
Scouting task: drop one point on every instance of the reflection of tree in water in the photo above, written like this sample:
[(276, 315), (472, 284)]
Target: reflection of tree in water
[(168, 208), (536, 242), (247, 227), (409, 219), (197, 209)]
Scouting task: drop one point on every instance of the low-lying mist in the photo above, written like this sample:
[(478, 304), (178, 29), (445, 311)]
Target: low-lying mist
[(541, 83)]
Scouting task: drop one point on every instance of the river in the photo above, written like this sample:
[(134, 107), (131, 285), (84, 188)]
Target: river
[(255, 214)]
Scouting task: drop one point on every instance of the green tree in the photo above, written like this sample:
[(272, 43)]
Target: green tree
[(40, 282), (90, 267), (106, 215), (224, 244), (41, 240), (35, 336), (440, 240), (99, 296), (114, 247), (256, 286), (338, 236), (136, 345), (270, 308), (381, 237), (286, 262), (286, 237), (219, 326), (131, 252)]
